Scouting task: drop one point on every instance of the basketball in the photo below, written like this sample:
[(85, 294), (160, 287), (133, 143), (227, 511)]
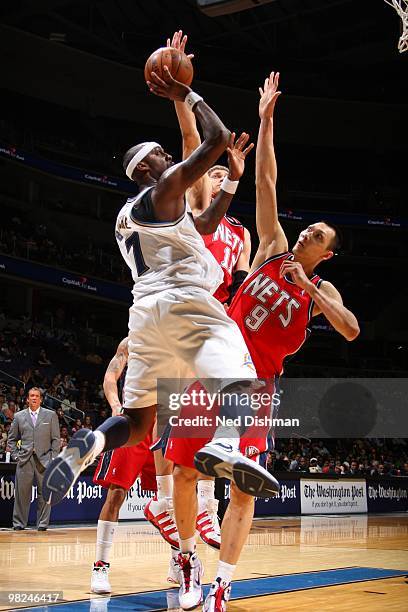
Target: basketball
[(179, 65)]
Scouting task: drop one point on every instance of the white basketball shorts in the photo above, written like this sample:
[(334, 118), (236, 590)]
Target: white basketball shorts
[(182, 333)]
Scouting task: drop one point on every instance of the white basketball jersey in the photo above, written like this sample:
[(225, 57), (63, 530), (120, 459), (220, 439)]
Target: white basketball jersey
[(164, 255)]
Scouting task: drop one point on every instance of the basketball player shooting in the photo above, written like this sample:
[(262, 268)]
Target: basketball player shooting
[(175, 323)]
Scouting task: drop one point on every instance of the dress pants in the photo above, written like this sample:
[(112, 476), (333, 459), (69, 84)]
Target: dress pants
[(25, 475)]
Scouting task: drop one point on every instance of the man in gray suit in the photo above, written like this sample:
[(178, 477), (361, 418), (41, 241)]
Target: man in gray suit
[(37, 429)]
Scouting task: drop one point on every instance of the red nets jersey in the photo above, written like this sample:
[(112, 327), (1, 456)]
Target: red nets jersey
[(226, 244), (272, 314)]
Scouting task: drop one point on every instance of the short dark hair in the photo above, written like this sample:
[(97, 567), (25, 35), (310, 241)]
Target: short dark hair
[(336, 241)]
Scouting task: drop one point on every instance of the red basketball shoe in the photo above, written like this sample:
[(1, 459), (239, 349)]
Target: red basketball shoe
[(159, 512)]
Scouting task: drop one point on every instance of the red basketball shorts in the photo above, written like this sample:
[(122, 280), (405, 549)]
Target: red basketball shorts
[(122, 466), (181, 449)]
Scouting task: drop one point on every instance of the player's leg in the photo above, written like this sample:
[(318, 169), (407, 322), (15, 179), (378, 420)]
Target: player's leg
[(207, 523), (185, 507), (159, 510), (234, 532), (85, 445), (146, 363), (107, 523)]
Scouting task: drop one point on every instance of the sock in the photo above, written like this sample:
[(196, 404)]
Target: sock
[(225, 571), (164, 486), (116, 431), (205, 492), (188, 546), (104, 539)]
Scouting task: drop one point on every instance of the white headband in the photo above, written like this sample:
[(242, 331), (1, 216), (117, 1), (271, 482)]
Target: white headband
[(141, 154)]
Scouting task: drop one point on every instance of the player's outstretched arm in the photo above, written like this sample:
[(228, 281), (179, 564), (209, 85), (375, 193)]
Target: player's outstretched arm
[(327, 299), (209, 220), (272, 239), (173, 184), (240, 272), (112, 375), (199, 194)]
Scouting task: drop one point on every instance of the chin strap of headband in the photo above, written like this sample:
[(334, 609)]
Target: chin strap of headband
[(139, 156)]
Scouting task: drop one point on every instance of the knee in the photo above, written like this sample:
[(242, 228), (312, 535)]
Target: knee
[(115, 498), (184, 477)]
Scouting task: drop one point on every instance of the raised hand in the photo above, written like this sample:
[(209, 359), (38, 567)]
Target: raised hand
[(167, 87), (237, 152), (297, 273), (269, 94), (179, 42)]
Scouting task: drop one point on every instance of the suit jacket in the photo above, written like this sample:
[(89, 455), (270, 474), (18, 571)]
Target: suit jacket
[(44, 438)]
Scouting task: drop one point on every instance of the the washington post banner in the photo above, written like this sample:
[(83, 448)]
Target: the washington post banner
[(135, 502), (333, 496), (82, 504)]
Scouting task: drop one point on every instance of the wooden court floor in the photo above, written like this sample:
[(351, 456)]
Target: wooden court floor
[(61, 558)]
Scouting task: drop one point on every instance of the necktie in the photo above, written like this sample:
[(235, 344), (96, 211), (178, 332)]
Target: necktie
[(34, 418)]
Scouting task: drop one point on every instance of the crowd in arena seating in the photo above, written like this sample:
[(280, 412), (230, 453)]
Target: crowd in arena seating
[(20, 238), (341, 457)]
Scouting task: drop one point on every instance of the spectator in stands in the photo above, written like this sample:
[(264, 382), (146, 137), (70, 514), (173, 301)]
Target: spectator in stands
[(103, 415), (64, 432), (271, 462), (11, 394), (14, 349), (355, 469), (12, 409), (404, 470), (43, 359), (3, 437), (77, 425), (88, 422), (294, 464), (314, 468), (328, 467), (303, 465)]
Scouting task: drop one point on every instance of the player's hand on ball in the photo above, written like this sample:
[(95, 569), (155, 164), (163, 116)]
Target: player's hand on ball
[(269, 94), (179, 42), (237, 152), (297, 273), (167, 87)]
